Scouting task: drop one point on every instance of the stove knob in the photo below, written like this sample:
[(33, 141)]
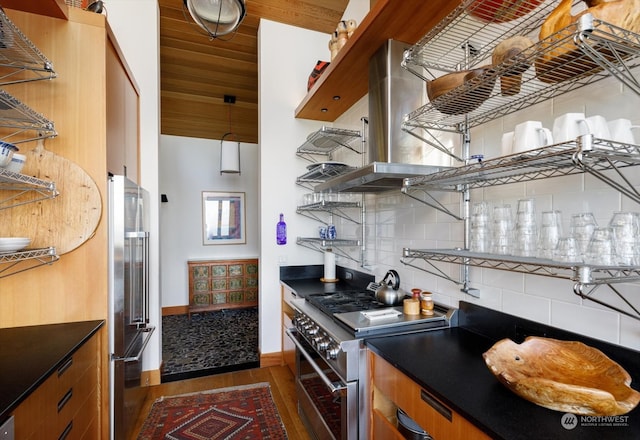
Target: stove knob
[(313, 330), (323, 343), (332, 351), (316, 340)]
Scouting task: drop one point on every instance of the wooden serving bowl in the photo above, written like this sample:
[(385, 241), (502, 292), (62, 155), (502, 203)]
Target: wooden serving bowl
[(500, 11), (566, 376), (460, 103)]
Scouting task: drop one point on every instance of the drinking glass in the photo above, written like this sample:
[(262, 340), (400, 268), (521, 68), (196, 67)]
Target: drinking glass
[(582, 226), (550, 232), (567, 250), (480, 238), (625, 227), (526, 230), (502, 230), (601, 249)]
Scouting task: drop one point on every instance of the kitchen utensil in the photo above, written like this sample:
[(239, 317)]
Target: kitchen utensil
[(388, 290), (566, 376), (505, 55), (479, 84), (66, 221)]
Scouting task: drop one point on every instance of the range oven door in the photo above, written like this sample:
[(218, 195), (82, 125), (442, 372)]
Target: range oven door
[(327, 404)]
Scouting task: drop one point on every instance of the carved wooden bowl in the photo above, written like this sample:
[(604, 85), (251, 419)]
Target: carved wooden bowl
[(566, 376)]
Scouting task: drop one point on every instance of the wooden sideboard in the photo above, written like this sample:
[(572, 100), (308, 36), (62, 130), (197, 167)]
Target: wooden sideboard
[(222, 284)]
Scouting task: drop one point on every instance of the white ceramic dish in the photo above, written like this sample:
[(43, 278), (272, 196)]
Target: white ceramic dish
[(17, 163), (13, 244)]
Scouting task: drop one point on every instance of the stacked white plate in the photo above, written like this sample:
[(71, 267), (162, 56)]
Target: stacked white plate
[(13, 244)]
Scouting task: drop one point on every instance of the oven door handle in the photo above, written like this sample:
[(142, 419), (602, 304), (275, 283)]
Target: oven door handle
[(325, 379)]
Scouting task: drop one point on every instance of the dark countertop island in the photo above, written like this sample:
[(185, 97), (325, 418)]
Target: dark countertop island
[(449, 364), (29, 355)]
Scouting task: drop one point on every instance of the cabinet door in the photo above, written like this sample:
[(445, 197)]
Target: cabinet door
[(122, 118)]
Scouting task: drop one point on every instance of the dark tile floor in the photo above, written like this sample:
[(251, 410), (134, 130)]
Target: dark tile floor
[(209, 343)]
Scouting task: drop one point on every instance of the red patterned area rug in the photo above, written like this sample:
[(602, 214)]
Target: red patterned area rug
[(246, 412)]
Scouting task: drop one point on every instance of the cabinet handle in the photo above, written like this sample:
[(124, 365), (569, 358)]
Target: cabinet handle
[(65, 399), (64, 367), (435, 404), (66, 431)]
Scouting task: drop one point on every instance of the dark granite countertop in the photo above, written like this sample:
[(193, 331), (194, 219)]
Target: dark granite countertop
[(28, 356), (304, 280), (449, 364)]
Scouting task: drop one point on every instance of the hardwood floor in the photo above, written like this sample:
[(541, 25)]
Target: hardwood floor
[(282, 389)]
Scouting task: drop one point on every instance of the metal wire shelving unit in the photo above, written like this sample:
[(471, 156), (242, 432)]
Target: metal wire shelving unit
[(586, 51), (30, 259)]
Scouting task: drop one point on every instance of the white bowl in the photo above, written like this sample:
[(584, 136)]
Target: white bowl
[(6, 153), (17, 163), (13, 244)]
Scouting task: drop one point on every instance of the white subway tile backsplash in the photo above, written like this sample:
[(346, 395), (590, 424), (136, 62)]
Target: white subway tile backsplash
[(589, 322), (630, 332), (552, 288), (527, 306)]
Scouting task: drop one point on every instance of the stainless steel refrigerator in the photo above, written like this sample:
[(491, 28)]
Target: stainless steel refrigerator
[(128, 321)]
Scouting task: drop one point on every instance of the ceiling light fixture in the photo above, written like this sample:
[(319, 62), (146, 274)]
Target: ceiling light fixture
[(216, 17), (229, 150)]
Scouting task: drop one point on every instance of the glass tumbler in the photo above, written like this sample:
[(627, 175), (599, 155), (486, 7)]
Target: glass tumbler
[(526, 229), (601, 249), (550, 232), (582, 226), (502, 230), (567, 250), (626, 227), (480, 235)]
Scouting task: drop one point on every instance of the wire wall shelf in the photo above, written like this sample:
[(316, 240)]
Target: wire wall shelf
[(321, 244), (20, 185), (16, 262), (326, 140), (334, 208), (19, 119), (20, 60), (586, 51)]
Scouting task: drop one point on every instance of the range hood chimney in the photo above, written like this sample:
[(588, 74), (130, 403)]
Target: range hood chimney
[(392, 153)]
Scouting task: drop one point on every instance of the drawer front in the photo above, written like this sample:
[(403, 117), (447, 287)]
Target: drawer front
[(73, 368), (425, 409), (383, 429), (75, 399)]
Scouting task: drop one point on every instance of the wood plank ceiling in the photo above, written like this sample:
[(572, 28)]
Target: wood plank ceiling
[(196, 72)]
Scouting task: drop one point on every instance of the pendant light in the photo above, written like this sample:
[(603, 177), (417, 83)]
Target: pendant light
[(216, 17), (229, 149)]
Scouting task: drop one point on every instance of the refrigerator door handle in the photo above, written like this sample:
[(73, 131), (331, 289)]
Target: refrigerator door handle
[(128, 357), (139, 304)]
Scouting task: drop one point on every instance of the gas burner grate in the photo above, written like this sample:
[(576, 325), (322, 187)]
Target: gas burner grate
[(340, 302)]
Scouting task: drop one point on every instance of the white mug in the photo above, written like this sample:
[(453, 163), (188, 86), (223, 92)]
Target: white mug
[(569, 126), (529, 135), (598, 127), (621, 131), (507, 143)]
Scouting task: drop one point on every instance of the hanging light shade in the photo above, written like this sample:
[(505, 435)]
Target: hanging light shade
[(229, 155), (216, 17)]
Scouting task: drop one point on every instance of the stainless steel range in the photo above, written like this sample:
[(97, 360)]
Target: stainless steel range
[(331, 379)]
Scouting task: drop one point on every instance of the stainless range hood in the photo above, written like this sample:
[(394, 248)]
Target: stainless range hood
[(392, 153)]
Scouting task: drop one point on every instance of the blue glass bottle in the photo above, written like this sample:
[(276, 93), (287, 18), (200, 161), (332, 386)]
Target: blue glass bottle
[(281, 231)]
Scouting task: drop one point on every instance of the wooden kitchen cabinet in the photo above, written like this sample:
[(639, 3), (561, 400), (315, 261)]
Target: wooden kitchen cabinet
[(66, 405), (391, 389), (123, 117), (288, 347), (222, 284)]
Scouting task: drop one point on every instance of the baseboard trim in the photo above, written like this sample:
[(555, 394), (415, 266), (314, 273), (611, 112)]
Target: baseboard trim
[(150, 377), (175, 310), (271, 359)]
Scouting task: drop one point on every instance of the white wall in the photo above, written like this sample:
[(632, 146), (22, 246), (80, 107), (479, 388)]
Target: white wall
[(188, 166), (142, 51), (286, 57)]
